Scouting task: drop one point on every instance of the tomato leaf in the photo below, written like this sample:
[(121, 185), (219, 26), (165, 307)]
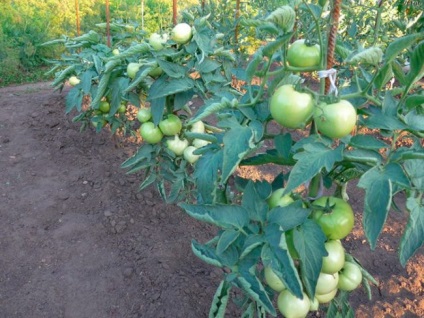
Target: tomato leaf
[(415, 172), (309, 242), (401, 44), (205, 253), (251, 242), (117, 88), (384, 75), (164, 86), (382, 121), (222, 215), (283, 144), (270, 156), (390, 105), (220, 300), (314, 157), (413, 237), (226, 238), (206, 175), (73, 100), (367, 142), (289, 216), (254, 204), (417, 67)]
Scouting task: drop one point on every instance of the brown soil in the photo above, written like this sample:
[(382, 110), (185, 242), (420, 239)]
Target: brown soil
[(77, 239)]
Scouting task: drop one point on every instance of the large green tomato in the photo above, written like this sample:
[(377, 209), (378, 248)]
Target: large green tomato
[(335, 120), (144, 114), (291, 306), (181, 33), (336, 257), (278, 199), (301, 55), (132, 69), (157, 40), (171, 126), (336, 222), (273, 281), (350, 277), (150, 133), (176, 145), (326, 298), (326, 283), (290, 108), (189, 155)]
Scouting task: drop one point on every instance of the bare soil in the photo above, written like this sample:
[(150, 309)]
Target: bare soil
[(77, 239)]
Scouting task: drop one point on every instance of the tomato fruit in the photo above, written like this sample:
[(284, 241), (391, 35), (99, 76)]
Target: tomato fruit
[(350, 277), (181, 33), (156, 72), (122, 108), (158, 40), (300, 54), (314, 305), (326, 283), (273, 281), (177, 145), (336, 257), (144, 115), (132, 69), (335, 120), (189, 155), (291, 306), (115, 52), (278, 199), (73, 80), (104, 107), (198, 127), (199, 143), (150, 133), (171, 126), (336, 220), (326, 298), (290, 108)]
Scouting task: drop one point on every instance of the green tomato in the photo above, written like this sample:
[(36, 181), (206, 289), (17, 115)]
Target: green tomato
[(335, 120), (301, 55), (122, 108), (314, 305), (290, 108), (171, 126), (104, 107), (132, 69), (278, 199), (189, 155), (156, 72), (326, 298), (198, 127), (158, 40), (199, 143), (326, 283), (336, 220), (177, 145), (336, 257), (181, 33), (273, 281), (115, 52), (350, 277), (73, 80), (150, 133), (144, 114), (291, 306)]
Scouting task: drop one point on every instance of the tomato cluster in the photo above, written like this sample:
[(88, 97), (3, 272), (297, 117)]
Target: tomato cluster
[(335, 217)]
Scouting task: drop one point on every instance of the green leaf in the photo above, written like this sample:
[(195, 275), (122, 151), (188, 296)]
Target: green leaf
[(73, 100), (314, 157), (413, 237), (207, 66), (382, 121), (390, 105), (289, 216), (270, 156), (401, 44), (283, 145), (158, 108), (413, 101), (309, 242), (165, 87), (367, 142), (254, 288), (206, 175), (415, 172), (205, 253), (417, 67), (226, 238), (251, 242), (222, 215), (144, 152), (415, 120), (220, 300), (117, 89), (363, 156), (172, 69), (253, 203), (384, 75), (238, 142)]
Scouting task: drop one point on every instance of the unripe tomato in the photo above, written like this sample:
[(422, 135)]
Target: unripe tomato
[(278, 199), (291, 306), (144, 114), (115, 52), (132, 69), (290, 108), (335, 120), (326, 298), (181, 33), (314, 305), (273, 281), (157, 40), (150, 133), (336, 257), (326, 283), (198, 127), (199, 143), (301, 55), (338, 221), (73, 80), (189, 155), (171, 126), (156, 72), (177, 145), (122, 108), (350, 277), (104, 106)]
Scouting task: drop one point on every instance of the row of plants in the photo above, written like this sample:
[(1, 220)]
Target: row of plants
[(279, 242)]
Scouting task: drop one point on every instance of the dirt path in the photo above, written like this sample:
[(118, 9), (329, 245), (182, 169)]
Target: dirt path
[(78, 240)]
